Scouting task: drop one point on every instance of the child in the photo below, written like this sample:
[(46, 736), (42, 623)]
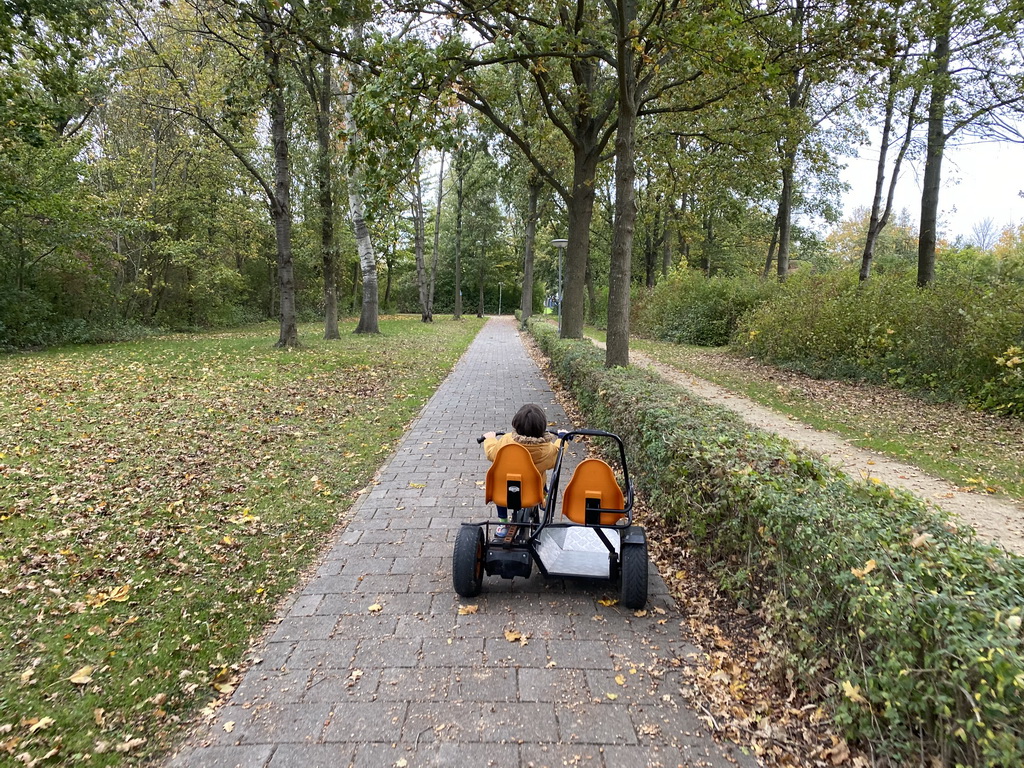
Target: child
[(529, 427)]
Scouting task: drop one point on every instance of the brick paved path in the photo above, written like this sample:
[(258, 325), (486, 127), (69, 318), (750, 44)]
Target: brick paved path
[(415, 683)]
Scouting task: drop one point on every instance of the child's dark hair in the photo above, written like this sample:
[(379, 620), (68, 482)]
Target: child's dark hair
[(530, 421)]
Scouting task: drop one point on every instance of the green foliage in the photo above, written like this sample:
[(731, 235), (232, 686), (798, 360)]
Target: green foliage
[(909, 629), (958, 338), (689, 308)]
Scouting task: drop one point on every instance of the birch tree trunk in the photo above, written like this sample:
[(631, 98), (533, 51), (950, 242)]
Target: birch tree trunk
[(368, 316)]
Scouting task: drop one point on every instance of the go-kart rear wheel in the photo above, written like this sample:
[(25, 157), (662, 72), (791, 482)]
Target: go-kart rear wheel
[(633, 572), (468, 561)]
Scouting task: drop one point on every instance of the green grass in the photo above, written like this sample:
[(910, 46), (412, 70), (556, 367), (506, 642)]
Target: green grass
[(157, 499), (971, 450)]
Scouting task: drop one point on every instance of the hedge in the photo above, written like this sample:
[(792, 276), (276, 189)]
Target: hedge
[(909, 626)]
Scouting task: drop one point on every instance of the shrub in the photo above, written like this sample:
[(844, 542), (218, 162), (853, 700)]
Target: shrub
[(956, 339), (689, 308), (910, 628)]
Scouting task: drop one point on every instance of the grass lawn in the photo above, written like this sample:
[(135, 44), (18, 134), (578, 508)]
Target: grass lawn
[(157, 499)]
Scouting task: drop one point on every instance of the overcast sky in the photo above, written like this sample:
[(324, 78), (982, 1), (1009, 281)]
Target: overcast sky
[(979, 181)]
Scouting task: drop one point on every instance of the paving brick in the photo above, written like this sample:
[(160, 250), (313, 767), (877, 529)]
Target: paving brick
[(359, 722), (312, 756), (435, 688), (606, 723)]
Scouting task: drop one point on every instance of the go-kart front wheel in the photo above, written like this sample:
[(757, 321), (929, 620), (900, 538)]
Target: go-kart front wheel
[(633, 573), (468, 561)]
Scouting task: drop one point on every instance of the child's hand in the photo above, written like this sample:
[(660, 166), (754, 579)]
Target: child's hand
[(489, 435)]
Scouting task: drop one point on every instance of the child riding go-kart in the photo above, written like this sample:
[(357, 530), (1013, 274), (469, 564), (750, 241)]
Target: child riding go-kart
[(599, 541)]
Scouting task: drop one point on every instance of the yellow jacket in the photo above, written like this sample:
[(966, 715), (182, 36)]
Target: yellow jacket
[(542, 449)]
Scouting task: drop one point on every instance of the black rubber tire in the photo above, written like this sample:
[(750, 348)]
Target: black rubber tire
[(468, 561), (633, 572)]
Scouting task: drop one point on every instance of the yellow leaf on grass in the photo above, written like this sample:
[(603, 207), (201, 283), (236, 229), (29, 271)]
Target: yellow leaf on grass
[(860, 573), (82, 676), (852, 692), (120, 594), (466, 610), (41, 724)]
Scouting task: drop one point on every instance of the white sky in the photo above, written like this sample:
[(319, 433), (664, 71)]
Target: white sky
[(979, 181)]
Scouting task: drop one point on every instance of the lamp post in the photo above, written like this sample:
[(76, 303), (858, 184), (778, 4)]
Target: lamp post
[(560, 244), (499, 299)]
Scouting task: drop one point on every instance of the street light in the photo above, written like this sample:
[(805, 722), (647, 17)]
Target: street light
[(560, 244), (499, 299)]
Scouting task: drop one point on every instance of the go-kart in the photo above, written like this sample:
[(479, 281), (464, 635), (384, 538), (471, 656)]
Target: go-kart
[(599, 541)]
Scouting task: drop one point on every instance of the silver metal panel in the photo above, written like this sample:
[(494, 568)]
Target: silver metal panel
[(576, 551)]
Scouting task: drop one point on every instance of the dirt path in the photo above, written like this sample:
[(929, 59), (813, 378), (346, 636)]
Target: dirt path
[(994, 519)]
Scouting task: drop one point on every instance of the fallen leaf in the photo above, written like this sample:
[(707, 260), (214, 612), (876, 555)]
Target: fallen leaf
[(513, 636), (620, 679), (375, 608), (921, 540), (129, 745), (612, 696), (229, 726), (860, 573), (852, 692), (83, 676), (120, 594), (466, 610), (41, 724), (608, 601)]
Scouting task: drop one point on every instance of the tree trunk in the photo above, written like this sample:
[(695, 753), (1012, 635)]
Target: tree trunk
[(709, 243), (771, 248), (619, 278), (666, 240), (419, 240), (785, 215), (480, 287), (281, 203), (879, 214), (591, 293), (325, 182), (437, 239), (580, 208), (369, 314), (933, 155), (526, 304), (460, 197)]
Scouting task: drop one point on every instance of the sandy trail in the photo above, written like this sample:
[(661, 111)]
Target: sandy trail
[(996, 520)]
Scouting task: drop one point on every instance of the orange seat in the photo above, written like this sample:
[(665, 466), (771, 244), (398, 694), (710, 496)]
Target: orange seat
[(593, 487), (513, 463)]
